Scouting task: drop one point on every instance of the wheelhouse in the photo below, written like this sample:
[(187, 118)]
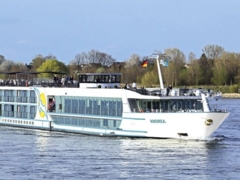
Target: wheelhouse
[(99, 77)]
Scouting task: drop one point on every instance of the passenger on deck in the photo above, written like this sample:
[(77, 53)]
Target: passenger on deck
[(98, 80), (126, 86), (134, 85), (169, 88), (63, 80), (71, 80), (55, 79), (51, 105)]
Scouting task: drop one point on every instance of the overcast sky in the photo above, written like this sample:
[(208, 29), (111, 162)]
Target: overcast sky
[(120, 28)]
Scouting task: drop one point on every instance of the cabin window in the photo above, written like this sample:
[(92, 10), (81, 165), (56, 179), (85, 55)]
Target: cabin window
[(8, 110), (22, 111), (106, 78), (75, 106), (82, 106), (32, 112), (68, 105), (113, 79), (96, 107), (22, 96), (104, 107), (82, 78), (97, 79), (0, 95), (89, 106), (90, 78), (119, 108), (118, 79), (32, 98), (105, 122), (67, 120), (8, 96)]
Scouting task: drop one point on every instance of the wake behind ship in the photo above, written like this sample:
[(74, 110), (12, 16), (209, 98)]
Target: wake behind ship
[(96, 105)]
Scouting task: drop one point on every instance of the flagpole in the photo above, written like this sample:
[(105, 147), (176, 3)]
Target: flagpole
[(157, 56), (159, 73)]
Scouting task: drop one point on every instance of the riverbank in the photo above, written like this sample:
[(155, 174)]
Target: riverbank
[(231, 95)]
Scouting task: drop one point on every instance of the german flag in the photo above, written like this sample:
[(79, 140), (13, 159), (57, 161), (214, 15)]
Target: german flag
[(144, 63)]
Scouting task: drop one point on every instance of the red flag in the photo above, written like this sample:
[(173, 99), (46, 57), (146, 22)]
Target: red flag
[(144, 63)]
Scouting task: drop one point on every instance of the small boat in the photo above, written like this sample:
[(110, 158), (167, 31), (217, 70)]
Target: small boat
[(95, 104)]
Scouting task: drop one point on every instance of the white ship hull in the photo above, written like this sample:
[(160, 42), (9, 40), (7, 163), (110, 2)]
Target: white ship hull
[(157, 125), (109, 112)]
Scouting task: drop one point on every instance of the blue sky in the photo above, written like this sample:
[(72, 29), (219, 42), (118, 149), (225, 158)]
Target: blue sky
[(65, 28)]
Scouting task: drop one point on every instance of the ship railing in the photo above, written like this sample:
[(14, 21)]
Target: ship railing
[(167, 110), (178, 111), (43, 83)]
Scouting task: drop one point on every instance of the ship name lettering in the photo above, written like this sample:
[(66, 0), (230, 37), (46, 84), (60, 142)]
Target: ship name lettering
[(157, 121)]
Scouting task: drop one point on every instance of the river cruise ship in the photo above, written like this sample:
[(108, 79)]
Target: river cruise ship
[(95, 104)]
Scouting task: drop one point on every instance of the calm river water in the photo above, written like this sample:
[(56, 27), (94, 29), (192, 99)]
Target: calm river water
[(35, 154)]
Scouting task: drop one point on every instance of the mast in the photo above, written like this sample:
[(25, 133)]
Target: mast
[(159, 56)]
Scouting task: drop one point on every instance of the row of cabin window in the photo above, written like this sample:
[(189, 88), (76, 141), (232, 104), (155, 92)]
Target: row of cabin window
[(94, 107), (89, 122)]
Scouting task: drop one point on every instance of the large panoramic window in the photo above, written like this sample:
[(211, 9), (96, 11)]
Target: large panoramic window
[(93, 106), (165, 105)]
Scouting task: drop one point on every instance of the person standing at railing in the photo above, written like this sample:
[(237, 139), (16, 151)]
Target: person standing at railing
[(134, 85), (169, 88), (71, 80)]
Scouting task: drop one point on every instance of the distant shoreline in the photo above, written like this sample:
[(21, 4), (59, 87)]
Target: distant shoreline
[(231, 95)]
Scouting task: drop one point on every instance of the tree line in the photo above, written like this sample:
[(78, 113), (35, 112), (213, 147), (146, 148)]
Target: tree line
[(214, 67)]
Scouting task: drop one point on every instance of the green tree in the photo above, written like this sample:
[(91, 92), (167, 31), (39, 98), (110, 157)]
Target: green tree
[(37, 62), (219, 73), (150, 78), (52, 65), (193, 70), (206, 68)]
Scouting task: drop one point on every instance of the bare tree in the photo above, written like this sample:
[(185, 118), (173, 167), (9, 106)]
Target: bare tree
[(2, 59), (132, 61), (99, 57), (50, 56), (6, 66), (176, 64), (193, 70), (213, 51), (79, 60)]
